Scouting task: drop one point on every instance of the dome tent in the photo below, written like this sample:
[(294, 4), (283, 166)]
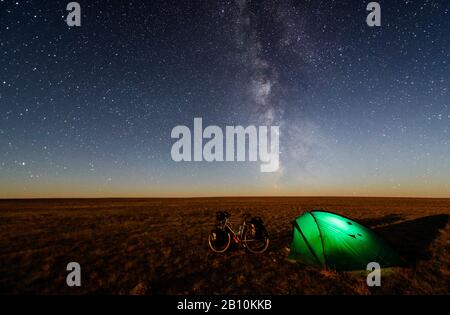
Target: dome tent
[(328, 240)]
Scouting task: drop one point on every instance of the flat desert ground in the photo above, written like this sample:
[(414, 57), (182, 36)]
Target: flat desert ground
[(159, 246)]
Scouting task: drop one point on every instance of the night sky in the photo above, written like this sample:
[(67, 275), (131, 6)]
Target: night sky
[(88, 111)]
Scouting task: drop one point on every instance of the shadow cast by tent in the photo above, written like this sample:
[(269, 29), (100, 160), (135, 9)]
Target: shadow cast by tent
[(412, 239), (387, 219)]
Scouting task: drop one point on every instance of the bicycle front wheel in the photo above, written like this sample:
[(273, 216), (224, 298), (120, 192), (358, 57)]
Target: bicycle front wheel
[(219, 241)]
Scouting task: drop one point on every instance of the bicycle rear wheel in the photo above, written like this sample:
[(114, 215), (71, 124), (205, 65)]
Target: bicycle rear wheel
[(256, 239)]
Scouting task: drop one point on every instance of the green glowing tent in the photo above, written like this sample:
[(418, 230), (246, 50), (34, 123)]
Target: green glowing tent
[(328, 240)]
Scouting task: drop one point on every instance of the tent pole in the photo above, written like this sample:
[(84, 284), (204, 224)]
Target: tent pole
[(321, 239)]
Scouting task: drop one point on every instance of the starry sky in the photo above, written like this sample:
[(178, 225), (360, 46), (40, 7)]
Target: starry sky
[(88, 111)]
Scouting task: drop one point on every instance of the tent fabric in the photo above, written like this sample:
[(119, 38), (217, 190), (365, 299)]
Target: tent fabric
[(328, 240)]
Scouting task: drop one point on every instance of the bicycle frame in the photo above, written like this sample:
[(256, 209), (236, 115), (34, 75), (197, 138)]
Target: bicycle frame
[(236, 236)]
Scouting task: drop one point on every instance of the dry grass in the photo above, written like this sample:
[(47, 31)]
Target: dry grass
[(158, 246)]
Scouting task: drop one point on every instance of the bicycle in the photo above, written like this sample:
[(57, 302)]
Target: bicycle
[(251, 234)]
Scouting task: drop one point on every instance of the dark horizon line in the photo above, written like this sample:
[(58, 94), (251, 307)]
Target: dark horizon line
[(217, 197)]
